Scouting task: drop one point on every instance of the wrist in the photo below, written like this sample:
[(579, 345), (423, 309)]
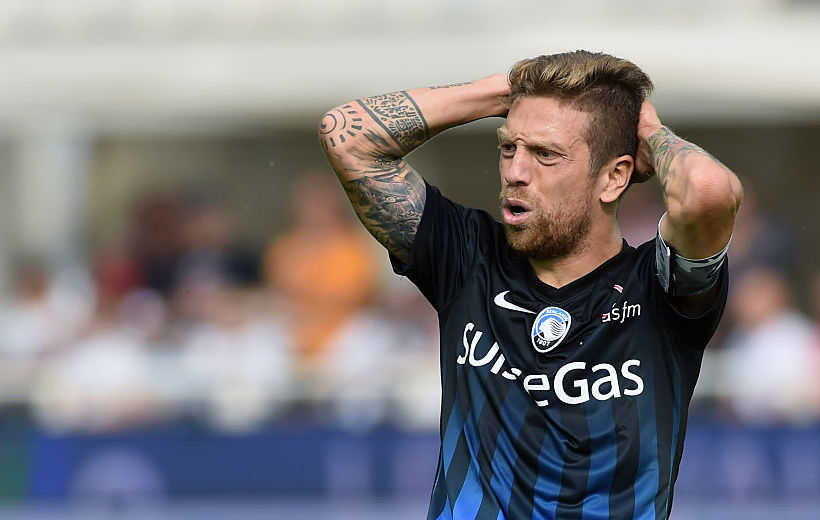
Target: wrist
[(498, 83), (497, 89), (649, 131)]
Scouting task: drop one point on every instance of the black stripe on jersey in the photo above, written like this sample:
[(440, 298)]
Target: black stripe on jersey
[(646, 485), (602, 461), (522, 494), (622, 504), (575, 474), (448, 390), (438, 500), (683, 393), (666, 419), (676, 461), (467, 506), (490, 426), (457, 471)]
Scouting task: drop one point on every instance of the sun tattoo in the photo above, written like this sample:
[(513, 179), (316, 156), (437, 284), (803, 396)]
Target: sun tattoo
[(340, 122)]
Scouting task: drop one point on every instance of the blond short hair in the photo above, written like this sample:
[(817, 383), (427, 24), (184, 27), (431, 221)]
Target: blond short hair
[(610, 89)]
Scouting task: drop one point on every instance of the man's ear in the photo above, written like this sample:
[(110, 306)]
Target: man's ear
[(614, 178)]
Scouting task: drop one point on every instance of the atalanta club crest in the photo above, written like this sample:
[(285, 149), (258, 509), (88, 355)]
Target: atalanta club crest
[(550, 328)]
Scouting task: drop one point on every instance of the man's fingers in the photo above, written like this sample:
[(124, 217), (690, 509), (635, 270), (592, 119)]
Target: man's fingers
[(648, 124), (648, 121)]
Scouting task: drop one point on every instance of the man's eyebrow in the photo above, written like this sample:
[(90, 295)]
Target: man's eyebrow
[(503, 135), (551, 146)]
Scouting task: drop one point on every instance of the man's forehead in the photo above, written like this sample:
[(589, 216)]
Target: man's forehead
[(539, 118)]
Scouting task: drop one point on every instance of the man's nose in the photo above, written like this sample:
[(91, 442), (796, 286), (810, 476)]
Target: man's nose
[(517, 172)]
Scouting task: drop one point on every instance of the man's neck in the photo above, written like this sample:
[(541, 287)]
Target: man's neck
[(591, 253)]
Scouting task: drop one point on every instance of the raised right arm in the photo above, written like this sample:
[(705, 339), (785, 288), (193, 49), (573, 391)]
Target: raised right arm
[(366, 141)]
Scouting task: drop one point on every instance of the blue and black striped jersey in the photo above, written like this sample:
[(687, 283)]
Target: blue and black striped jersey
[(565, 403)]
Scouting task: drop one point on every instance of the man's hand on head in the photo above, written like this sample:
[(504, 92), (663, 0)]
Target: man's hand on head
[(648, 124), (502, 83)]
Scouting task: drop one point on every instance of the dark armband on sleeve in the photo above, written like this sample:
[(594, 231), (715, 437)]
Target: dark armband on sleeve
[(680, 276)]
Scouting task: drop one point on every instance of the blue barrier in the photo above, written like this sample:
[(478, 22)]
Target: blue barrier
[(189, 461)]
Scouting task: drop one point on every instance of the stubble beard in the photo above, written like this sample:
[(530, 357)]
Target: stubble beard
[(550, 233)]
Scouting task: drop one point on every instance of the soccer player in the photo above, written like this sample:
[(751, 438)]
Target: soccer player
[(568, 357)]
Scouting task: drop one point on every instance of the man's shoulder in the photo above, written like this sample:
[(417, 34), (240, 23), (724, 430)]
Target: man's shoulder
[(639, 264), (478, 224)]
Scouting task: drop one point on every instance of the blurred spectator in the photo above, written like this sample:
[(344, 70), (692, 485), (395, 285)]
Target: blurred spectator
[(760, 237), (236, 361), (43, 314), (416, 392), (382, 364), (209, 249), (771, 366), (174, 239), (322, 265), (357, 372), (106, 380), (116, 273), (157, 240)]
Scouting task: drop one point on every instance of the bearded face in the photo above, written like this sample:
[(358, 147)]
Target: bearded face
[(551, 231), (548, 193)]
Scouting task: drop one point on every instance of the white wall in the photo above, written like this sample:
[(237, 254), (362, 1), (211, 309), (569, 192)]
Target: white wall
[(147, 63)]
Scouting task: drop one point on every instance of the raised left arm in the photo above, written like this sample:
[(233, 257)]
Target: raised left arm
[(702, 196)]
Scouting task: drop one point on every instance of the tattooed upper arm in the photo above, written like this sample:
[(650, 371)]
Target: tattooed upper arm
[(390, 204), (365, 142)]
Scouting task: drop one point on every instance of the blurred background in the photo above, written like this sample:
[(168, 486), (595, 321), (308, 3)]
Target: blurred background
[(192, 324)]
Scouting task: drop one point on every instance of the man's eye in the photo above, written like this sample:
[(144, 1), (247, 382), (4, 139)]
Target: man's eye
[(546, 154), (507, 149)]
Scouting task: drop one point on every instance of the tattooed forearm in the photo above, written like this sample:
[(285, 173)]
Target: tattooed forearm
[(667, 148), (452, 85), (399, 117), (390, 205)]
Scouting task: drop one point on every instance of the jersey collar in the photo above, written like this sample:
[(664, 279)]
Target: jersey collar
[(579, 285)]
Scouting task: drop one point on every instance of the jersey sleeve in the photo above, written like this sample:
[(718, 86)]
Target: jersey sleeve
[(690, 294), (444, 249), (686, 277)]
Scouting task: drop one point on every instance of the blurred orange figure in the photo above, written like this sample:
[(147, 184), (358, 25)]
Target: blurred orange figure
[(323, 266)]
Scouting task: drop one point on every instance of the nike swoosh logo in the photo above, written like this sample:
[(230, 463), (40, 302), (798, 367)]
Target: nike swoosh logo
[(501, 302)]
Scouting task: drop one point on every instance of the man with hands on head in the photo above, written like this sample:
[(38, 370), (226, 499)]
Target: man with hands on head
[(568, 357)]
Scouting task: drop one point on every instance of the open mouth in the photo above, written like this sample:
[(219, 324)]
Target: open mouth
[(515, 211)]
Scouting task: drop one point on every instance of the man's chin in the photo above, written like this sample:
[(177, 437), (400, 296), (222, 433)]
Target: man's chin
[(515, 229), (521, 241), (524, 241)]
